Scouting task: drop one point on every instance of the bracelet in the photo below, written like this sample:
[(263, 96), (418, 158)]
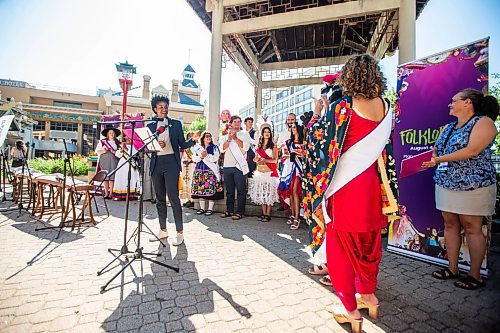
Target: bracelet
[(316, 116)]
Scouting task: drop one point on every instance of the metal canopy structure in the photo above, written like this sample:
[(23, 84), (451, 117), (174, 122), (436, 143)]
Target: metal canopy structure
[(271, 40)]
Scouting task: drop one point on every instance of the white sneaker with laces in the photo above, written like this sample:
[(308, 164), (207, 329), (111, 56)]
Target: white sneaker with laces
[(179, 239), (161, 235)]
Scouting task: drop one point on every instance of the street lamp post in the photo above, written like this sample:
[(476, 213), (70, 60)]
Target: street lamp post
[(126, 73)]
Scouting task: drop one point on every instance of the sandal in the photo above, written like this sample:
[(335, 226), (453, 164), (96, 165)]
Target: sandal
[(290, 220), (295, 225), (260, 218), (325, 280), (318, 270), (445, 274), (266, 218), (226, 214), (237, 216), (200, 211), (469, 283), (209, 212)]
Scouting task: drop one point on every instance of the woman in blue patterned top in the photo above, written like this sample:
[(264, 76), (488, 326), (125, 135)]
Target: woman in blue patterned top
[(466, 180)]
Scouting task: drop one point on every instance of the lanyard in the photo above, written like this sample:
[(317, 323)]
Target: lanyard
[(453, 130)]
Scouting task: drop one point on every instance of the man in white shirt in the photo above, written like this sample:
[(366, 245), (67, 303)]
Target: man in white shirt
[(285, 134), (235, 145)]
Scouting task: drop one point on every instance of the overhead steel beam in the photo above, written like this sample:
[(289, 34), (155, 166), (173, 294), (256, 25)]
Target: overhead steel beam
[(239, 60), (385, 31), (291, 82), (354, 45), (305, 63), (275, 45), (309, 16)]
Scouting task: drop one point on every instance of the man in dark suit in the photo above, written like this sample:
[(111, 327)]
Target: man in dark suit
[(166, 166)]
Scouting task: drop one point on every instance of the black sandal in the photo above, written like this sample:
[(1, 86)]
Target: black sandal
[(445, 274), (290, 220), (209, 212), (226, 214), (469, 283), (266, 218), (260, 218), (200, 211), (237, 217)]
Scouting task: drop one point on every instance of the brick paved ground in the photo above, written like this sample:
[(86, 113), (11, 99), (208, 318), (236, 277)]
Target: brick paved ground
[(240, 276)]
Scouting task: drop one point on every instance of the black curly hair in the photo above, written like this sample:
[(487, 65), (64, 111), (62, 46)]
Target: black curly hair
[(157, 99)]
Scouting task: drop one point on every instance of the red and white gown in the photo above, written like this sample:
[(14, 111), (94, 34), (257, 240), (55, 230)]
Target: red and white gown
[(354, 246)]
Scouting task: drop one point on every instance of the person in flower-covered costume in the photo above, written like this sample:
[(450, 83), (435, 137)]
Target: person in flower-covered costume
[(206, 184), (353, 187)]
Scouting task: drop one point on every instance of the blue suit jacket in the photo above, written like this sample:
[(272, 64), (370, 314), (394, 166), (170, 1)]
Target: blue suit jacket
[(176, 139)]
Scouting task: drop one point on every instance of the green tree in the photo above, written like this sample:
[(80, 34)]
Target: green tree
[(199, 124), (391, 95)]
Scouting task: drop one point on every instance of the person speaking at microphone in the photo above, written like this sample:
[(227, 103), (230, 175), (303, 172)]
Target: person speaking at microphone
[(166, 166)]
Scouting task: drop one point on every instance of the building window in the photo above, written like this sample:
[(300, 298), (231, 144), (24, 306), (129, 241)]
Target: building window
[(282, 95), (68, 104), (89, 138), (40, 126), (60, 126)]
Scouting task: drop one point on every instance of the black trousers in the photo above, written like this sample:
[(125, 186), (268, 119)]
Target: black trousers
[(165, 179), (235, 180)]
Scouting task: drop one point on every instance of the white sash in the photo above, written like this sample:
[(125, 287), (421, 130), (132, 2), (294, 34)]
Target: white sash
[(353, 162), (241, 160)]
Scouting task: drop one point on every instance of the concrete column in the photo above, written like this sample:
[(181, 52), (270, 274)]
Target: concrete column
[(258, 95), (80, 139), (215, 70), (407, 18), (47, 130)]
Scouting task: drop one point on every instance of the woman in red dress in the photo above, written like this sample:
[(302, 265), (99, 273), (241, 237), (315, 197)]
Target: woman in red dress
[(353, 238)]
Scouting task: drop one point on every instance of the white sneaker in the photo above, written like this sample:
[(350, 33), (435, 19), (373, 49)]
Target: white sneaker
[(161, 235), (179, 240)]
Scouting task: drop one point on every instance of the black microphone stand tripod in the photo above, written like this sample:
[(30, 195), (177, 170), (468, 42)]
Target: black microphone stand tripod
[(5, 173), (138, 254)]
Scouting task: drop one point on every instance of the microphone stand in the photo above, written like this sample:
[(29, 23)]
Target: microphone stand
[(5, 172), (62, 224), (138, 254)]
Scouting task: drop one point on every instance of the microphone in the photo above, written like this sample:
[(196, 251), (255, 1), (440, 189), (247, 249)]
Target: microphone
[(159, 131)]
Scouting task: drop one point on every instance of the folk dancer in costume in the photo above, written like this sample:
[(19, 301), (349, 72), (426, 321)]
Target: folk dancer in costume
[(121, 179), (235, 145), (332, 92), (263, 189), (106, 149), (166, 167), (253, 143), (207, 182), (282, 137), (354, 186), (187, 174), (290, 189)]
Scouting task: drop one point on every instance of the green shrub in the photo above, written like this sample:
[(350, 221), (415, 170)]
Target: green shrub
[(54, 165)]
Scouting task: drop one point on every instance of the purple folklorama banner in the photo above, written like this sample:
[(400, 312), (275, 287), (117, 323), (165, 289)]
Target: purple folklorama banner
[(425, 88)]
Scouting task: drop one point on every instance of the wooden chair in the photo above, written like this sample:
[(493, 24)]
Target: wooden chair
[(98, 189)]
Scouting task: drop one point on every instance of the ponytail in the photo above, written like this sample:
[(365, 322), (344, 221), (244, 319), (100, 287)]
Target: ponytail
[(483, 105), (489, 107)]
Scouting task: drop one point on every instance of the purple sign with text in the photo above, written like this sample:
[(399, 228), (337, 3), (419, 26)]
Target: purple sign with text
[(425, 88)]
